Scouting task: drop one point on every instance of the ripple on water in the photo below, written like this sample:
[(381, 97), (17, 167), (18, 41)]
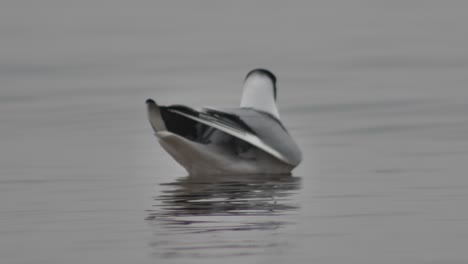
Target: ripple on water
[(200, 216)]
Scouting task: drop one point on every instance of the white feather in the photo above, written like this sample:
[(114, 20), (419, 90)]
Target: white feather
[(259, 94)]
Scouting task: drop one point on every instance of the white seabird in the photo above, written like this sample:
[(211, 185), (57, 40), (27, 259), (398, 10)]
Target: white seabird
[(246, 140)]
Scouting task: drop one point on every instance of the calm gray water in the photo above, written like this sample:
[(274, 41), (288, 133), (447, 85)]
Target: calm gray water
[(375, 93)]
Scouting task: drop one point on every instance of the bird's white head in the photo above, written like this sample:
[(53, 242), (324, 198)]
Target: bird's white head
[(260, 92)]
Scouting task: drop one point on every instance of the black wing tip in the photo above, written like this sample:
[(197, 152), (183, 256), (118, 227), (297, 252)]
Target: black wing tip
[(262, 71)]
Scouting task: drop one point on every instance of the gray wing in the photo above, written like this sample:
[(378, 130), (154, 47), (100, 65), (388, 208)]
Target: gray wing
[(259, 129), (269, 129)]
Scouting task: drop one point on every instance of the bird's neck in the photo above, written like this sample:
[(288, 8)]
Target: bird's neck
[(259, 94)]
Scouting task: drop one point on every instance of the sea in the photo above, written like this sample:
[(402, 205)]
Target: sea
[(375, 93)]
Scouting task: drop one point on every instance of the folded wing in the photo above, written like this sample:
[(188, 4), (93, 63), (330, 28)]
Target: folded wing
[(254, 127)]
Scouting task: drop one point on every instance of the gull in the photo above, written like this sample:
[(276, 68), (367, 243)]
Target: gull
[(250, 139)]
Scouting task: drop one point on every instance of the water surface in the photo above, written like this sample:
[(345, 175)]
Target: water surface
[(373, 92)]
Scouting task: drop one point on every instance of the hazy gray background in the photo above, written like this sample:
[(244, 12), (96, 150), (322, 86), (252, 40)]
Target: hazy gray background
[(375, 93)]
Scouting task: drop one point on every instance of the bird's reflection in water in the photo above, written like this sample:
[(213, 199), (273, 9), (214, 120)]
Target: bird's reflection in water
[(207, 200), (207, 205)]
